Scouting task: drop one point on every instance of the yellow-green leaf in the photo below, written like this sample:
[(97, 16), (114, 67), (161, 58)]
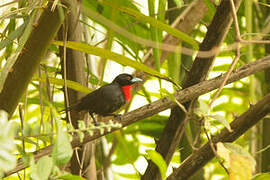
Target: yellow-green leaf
[(158, 24), (240, 163), (159, 161), (70, 84), (106, 54)]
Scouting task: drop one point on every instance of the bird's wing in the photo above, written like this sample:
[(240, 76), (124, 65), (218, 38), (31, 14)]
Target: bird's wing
[(112, 99), (88, 101), (104, 100)]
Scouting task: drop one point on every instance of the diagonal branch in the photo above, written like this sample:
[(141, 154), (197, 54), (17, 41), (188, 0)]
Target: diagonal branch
[(161, 105), (239, 126)]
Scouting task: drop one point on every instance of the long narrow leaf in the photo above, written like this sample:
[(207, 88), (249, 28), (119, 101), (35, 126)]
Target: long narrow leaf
[(154, 35), (103, 53), (152, 21), (70, 84)]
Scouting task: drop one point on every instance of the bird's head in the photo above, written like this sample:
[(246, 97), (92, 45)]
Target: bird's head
[(125, 81)]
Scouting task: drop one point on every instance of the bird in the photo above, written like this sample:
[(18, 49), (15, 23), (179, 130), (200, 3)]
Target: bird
[(107, 99)]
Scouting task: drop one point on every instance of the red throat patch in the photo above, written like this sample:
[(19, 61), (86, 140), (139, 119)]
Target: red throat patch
[(126, 91)]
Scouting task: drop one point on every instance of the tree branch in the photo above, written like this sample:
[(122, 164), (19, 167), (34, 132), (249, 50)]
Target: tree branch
[(239, 126), (29, 59), (161, 105)]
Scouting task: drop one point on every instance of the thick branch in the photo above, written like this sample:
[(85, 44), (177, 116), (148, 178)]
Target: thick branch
[(163, 104), (239, 126)]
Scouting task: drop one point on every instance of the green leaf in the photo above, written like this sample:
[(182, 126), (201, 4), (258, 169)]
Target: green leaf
[(203, 108), (13, 35), (211, 7), (41, 170), (261, 176), (174, 65), (240, 163), (159, 161), (237, 149), (106, 54), (153, 22), (70, 84), (127, 151), (155, 35), (62, 150), (93, 11), (11, 28), (222, 120), (44, 167), (81, 124), (81, 135), (128, 176), (70, 177), (8, 130)]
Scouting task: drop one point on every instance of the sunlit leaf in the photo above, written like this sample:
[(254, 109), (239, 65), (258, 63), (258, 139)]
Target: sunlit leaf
[(13, 35), (70, 177), (109, 55), (222, 120), (262, 176), (241, 164), (128, 176), (158, 24), (128, 151), (70, 84), (159, 161), (44, 167), (62, 150), (203, 108), (7, 133), (211, 7)]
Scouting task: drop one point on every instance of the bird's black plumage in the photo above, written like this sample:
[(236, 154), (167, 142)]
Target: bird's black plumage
[(107, 99)]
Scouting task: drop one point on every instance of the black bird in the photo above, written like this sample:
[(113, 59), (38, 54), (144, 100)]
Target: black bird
[(108, 98)]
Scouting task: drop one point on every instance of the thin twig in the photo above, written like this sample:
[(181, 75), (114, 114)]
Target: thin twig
[(214, 150), (236, 25), (65, 72), (18, 174), (8, 3), (48, 90), (23, 143), (40, 100)]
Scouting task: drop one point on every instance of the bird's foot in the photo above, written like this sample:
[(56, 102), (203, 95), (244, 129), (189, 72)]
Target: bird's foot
[(96, 123), (114, 115), (119, 116), (94, 120)]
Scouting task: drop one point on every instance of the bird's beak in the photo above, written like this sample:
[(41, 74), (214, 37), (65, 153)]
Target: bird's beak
[(134, 80)]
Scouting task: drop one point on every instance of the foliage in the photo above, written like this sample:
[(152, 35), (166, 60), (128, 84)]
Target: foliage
[(8, 130), (122, 33)]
